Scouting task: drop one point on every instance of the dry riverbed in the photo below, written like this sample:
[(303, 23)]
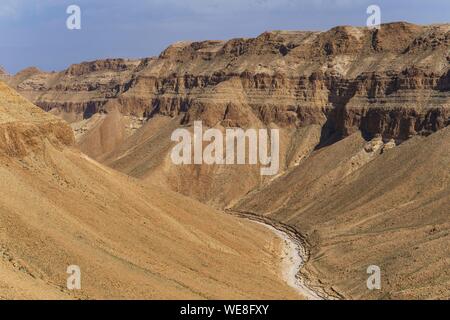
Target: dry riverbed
[(294, 256), (293, 259)]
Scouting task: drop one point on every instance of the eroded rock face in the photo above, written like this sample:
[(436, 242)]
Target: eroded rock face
[(394, 82), (25, 129)]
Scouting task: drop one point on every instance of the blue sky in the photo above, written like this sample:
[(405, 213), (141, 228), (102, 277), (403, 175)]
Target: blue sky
[(34, 33)]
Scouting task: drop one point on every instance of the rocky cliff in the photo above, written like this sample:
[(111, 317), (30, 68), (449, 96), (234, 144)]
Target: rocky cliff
[(24, 128), (393, 82)]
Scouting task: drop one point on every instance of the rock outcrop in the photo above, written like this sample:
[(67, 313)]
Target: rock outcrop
[(25, 128)]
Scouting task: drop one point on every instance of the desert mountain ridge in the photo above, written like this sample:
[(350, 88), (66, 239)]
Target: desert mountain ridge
[(391, 83), (363, 118), (314, 77)]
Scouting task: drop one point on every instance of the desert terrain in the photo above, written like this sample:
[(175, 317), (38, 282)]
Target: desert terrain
[(58, 208), (364, 179)]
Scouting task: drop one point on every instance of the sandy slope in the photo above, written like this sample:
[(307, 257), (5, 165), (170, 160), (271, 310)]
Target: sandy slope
[(58, 208), (359, 209)]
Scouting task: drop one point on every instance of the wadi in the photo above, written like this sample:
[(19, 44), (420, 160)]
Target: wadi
[(340, 144)]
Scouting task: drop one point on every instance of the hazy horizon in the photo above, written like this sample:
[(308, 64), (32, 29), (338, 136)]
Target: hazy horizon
[(34, 32)]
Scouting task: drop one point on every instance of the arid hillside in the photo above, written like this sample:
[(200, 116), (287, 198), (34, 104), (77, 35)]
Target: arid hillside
[(58, 208), (392, 211)]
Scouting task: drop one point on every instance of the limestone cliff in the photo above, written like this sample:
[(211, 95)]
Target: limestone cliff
[(394, 81)]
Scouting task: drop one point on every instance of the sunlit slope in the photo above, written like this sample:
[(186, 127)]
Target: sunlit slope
[(392, 211), (59, 208)]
